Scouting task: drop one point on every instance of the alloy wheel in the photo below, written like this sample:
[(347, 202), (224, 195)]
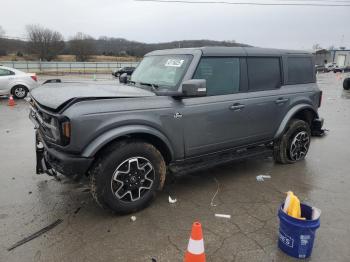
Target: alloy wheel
[(20, 92), (132, 179), (299, 146)]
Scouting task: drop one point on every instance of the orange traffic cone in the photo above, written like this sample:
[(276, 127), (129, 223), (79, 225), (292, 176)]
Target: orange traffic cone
[(11, 101), (195, 249)]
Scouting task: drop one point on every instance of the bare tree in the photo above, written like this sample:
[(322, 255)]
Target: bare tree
[(82, 46), (44, 42), (316, 47), (2, 42), (2, 31)]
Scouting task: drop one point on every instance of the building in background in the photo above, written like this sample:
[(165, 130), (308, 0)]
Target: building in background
[(341, 57)]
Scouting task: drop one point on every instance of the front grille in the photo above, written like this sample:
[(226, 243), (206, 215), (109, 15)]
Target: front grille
[(47, 124)]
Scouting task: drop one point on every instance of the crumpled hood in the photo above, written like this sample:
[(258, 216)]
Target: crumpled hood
[(54, 95)]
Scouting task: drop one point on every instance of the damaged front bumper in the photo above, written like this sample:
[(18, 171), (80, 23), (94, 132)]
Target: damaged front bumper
[(50, 160)]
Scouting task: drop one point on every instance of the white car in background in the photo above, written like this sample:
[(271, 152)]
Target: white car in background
[(330, 66), (15, 82)]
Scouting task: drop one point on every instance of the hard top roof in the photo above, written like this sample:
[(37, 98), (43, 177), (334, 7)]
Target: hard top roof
[(230, 51)]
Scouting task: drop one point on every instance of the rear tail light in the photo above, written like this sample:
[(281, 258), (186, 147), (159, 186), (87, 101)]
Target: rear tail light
[(34, 78), (320, 99)]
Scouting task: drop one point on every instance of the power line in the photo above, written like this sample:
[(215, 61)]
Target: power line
[(330, 1), (246, 3)]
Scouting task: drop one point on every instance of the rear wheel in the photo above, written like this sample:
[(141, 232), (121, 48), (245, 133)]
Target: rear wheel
[(127, 175), (294, 143), (19, 91)]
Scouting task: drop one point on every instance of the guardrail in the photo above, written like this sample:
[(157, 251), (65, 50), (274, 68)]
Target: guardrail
[(67, 67)]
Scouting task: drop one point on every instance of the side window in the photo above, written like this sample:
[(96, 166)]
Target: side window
[(222, 74), (264, 73), (300, 70), (4, 72)]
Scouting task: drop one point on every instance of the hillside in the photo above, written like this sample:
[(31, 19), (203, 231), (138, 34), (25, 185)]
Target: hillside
[(111, 48), (122, 46)]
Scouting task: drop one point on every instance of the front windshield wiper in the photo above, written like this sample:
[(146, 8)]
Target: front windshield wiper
[(148, 84), (154, 87)]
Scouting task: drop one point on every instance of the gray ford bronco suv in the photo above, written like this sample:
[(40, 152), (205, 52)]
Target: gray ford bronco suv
[(181, 110)]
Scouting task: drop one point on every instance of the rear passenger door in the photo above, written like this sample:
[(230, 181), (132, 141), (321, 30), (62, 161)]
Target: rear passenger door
[(264, 103)]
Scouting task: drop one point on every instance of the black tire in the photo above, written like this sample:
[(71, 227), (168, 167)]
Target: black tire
[(295, 138), (19, 91), (117, 162), (346, 84)]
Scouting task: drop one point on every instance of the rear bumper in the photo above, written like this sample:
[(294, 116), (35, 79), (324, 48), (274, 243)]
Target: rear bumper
[(67, 164)]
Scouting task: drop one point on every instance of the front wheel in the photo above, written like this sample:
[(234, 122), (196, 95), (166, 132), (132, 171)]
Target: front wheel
[(127, 175), (294, 143)]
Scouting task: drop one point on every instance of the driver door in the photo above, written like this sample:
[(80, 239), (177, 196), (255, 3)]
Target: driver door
[(214, 122)]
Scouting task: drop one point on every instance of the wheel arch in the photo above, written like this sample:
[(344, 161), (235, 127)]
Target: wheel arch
[(145, 133), (303, 112)]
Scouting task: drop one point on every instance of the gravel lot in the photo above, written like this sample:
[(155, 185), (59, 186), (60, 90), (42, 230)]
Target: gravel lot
[(30, 202)]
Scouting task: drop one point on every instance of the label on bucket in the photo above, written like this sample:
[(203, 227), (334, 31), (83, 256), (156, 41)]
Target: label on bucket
[(287, 240), (304, 241)]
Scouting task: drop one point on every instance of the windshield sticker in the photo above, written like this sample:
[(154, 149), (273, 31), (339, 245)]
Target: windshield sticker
[(174, 62)]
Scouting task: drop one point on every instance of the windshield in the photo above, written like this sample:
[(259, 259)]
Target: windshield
[(164, 71)]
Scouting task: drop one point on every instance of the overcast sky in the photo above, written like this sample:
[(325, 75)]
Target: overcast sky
[(265, 26)]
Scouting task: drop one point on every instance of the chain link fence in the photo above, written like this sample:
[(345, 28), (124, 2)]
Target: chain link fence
[(67, 67)]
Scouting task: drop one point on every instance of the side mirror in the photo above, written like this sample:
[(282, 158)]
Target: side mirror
[(194, 88), (123, 78)]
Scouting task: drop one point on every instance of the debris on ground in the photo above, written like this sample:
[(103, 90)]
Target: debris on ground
[(7, 130), (320, 132), (35, 235), (262, 178), (172, 200), (223, 216), (77, 210), (30, 192), (217, 191), (133, 218)]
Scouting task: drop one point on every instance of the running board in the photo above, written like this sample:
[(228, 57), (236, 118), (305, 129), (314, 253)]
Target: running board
[(189, 166)]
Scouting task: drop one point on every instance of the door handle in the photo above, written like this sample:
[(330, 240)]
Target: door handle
[(281, 100), (237, 107)]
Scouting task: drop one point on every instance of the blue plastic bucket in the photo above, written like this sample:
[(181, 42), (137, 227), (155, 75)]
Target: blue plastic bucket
[(296, 236)]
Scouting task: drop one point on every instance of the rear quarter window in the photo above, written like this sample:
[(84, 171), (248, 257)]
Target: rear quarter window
[(300, 70)]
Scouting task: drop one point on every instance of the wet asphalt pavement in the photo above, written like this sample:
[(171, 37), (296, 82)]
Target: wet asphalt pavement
[(29, 202)]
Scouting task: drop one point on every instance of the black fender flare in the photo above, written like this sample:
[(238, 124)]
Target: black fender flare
[(107, 137), (291, 113)]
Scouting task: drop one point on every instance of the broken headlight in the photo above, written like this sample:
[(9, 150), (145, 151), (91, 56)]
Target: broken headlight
[(57, 130)]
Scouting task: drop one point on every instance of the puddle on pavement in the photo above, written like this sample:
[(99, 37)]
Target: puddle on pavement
[(345, 94)]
